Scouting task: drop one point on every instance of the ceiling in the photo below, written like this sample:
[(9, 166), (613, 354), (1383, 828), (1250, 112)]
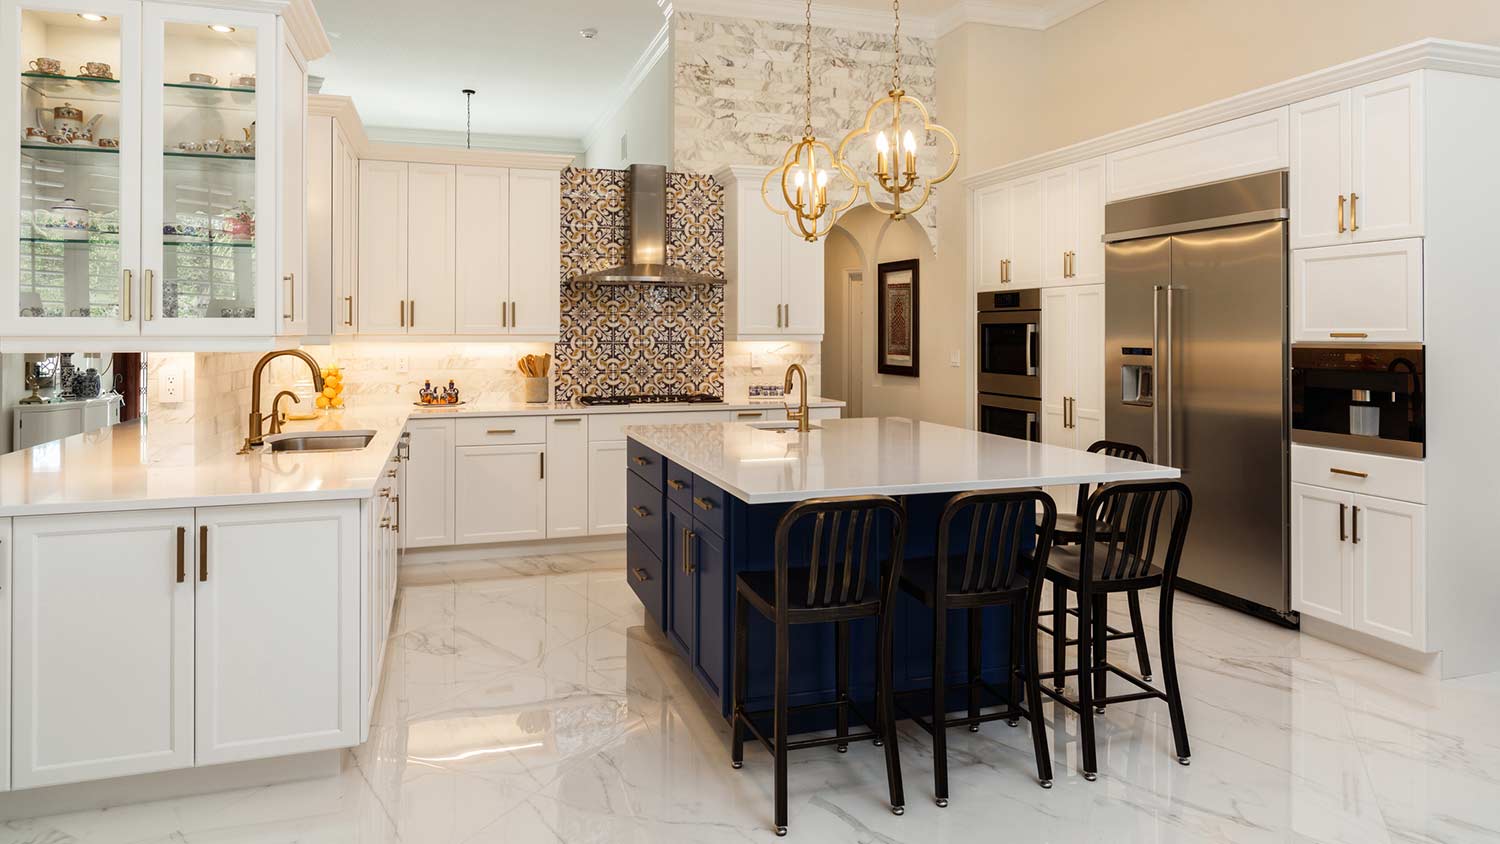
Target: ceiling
[(540, 84)]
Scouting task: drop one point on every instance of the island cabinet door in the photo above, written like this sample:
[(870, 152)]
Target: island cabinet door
[(681, 607), (277, 656), (103, 644), (708, 568)]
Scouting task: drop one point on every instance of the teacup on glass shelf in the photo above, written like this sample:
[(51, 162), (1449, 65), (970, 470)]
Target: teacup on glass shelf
[(96, 70), (42, 64)]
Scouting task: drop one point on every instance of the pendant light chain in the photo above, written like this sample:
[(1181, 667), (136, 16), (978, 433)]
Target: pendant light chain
[(469, 118), (807, 129), (896, 68)]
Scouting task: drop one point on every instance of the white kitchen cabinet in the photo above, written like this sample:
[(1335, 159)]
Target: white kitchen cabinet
[(1357, 169), (1027, 233), (431, 192), (1057, 225), (774, 279), (567, 476), (535, 253), (427, 493), (6, 591), (103, 645), (381, 517), (1072, 370), (1359, 292), (381, 302), (502, 493), (1090, 193), (346, 217), (291, 94), (1251, 144), (1322, 582), (332, 224), (992, 232), (607, 477), (277, 643), (1043, 230), (483, 256)]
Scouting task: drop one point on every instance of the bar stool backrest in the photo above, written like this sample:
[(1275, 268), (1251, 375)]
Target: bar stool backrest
[(845, 533), (1135, 526), (999, 525), (1110, 448)]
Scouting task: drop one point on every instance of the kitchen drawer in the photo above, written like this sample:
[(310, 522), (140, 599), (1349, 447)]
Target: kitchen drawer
[(646, 463), (709, 505), (501, 430), (643, 571), (1397, 478), (610, 426), (679, 486), (769, 413), (643, 511)]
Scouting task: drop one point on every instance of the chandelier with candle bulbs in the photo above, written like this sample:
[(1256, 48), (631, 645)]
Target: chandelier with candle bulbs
[(798, 189), (902, 189)]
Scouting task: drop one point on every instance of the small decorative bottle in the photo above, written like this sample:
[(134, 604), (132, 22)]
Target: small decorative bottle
[(426, 395), (451, 394)]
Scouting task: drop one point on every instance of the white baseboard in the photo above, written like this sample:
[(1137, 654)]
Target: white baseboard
[(536, 548), (120, 791), (1426, 664)]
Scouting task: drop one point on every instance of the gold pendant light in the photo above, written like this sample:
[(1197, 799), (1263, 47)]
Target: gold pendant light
[(802, 179), (903, 190)]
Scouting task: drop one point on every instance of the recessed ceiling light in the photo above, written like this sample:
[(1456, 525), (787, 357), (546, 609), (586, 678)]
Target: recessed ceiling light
[(219, 27), (589, 34), (92, 18)]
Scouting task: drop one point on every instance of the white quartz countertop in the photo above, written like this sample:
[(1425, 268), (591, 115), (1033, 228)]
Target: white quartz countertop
[(137, 465), (889, 456)]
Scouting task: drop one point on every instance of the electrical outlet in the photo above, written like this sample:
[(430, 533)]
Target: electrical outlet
[(169, 382), (402, 364)]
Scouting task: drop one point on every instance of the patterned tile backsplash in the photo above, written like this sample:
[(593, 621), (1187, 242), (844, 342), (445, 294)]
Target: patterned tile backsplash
[(639, 338)]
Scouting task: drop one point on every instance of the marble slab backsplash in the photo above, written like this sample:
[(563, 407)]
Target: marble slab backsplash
[(639, 338)]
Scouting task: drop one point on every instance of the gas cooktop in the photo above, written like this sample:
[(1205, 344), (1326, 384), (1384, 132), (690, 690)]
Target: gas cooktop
[(654, 398)]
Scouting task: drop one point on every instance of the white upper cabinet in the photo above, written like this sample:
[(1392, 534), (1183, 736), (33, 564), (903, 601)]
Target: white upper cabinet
[(431, 194), (1090, 196), (1360, 293), (774, 278), (1027, 262), (535, 252), (332, 222), (1058, 225), (992, 235), (483, 260), (292, 103), (1357, 164), (1042, 230), (1251, 144), (381, 302)]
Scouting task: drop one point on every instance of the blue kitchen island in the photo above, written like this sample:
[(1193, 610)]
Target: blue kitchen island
[(704, 501)]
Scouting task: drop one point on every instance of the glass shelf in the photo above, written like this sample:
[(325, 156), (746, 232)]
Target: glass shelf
[(66, 152), (83, 88), (91, 241), (214, 242), (194, 95)]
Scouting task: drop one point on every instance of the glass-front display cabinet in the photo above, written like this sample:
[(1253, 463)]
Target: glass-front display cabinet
[(147, 195)]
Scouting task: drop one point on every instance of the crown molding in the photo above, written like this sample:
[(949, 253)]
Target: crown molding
[(275, 7), (1011, 13), (1427, 54), (307, 29), (644, 64), (483, 141), (438, 147)]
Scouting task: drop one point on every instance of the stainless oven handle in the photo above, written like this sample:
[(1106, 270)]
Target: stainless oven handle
[(1030, 348), (1160, 396), (1032, 434)]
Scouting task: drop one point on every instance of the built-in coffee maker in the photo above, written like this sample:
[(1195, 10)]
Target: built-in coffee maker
[(1360, 398)]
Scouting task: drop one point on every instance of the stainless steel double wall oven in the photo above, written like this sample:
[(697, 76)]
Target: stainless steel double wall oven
[(1010, 382)]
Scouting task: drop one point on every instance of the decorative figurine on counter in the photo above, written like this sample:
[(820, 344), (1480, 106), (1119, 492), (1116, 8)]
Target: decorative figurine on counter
[(427, 394), (450, 395)]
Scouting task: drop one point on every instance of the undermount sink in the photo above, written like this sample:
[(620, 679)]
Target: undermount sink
[(320, 441), (780, 427)]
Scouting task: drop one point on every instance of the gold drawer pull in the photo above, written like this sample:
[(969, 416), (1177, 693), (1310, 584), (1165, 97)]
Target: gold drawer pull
[(676, 484), (703, 504), (568, 419), (1348, 334), (641, 575), (640, 511), (751, 414), (501, 431), (1350, 472), (641, 461), (385, 493)]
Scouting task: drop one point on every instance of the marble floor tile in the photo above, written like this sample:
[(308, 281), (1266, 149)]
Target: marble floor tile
[(527, 700)]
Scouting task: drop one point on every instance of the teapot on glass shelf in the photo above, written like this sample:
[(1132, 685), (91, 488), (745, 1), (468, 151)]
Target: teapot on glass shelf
[(68, 123)]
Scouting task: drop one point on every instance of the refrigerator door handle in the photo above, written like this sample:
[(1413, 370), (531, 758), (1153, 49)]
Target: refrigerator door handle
[(1160, 395), (1171, 392)]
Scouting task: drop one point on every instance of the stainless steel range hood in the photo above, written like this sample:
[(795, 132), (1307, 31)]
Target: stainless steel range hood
[(648, 237)]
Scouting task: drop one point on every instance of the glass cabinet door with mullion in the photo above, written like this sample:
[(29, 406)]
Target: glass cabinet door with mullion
[(209, 176), (71, 254)]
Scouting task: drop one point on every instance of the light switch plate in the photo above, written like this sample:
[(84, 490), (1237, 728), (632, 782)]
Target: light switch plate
[(954, 359)]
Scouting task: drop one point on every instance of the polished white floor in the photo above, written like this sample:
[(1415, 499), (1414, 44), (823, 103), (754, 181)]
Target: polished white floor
[(524, 701)]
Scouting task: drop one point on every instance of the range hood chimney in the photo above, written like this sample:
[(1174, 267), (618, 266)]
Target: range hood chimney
[(648, 237)]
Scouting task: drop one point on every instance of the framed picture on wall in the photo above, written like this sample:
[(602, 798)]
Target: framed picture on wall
[(898, 347)]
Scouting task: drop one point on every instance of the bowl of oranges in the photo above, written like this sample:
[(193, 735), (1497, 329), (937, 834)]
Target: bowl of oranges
[(332, 397)]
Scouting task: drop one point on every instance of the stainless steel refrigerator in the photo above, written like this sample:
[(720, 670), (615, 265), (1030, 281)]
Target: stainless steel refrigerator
[(1196, 371)]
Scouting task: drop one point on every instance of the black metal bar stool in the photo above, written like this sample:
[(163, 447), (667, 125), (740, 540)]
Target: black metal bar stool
[(994, 571), (1070, 532), (1124, 549), (836, 586)]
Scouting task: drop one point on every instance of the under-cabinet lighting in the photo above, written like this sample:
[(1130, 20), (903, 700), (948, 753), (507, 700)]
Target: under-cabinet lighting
[(92, 18), (219, 27)]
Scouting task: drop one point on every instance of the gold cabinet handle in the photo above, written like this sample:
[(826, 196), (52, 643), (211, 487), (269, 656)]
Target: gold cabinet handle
[(411, 308), (203, 553), (1343, 512), (501, 431), (1348, 334), (641, 461), (401, 306), (640, 511), (125, 303), (561, 419), (513, 322), (390, 473), (348, 310), (504, 315), (181, 554), (751, 414), (386, 522), (150, 293), (641, 575), (1005, 265), (1349, 473), (291, 295), (687, 551), (385, 493), (1354, 526), (676, 484), (703, 504), (1341, 213), (1354, 227)]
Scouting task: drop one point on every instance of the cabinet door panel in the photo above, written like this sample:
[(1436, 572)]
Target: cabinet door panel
[(802, 286), (753, 260), (607, 484), (277, 639), (1321, 564), (682, 611), (1390, 565), (1388, 152), (535, 252), (103, 644), (568, 489), (430, 249), (501, 493), (1088, 363), (1027, 236), (992, 231), (346, 312), (291, 93), (1321, 171), (1057, 224), (1360, 292), (382, 247), (427, 499), (1089, 199), (483, 256), (1058, 366), (710, 577)]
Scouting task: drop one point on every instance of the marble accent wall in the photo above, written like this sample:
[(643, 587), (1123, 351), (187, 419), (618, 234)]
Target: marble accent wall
[(639, 338), (738, 90)]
